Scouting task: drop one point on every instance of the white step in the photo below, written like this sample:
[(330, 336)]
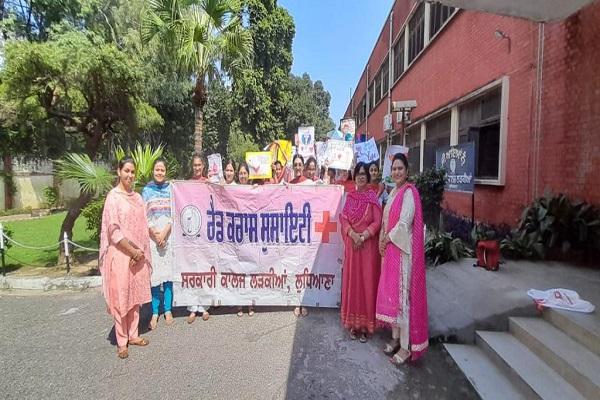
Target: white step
[(526, 370), (585, 328), (573, 361), (487, 379)]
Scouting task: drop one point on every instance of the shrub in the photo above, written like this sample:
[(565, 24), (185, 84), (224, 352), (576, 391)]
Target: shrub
[(9, 233), (50, 194), (457, 225), (441, 247), (555, 226), (430, 184), (93, 214), (15, 211)]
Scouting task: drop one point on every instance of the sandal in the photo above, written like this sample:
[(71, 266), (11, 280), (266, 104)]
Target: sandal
[(297, 311), (122, 353), (400, 357), (363, 338), (353, 334), (205, 316), (391, 347), (191, 318), (250, 311), (169, 319), (240, 312), (153, 323), (140, 342)]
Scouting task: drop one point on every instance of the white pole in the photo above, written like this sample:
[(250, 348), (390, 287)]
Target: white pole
[(1, 237), (66, 244)]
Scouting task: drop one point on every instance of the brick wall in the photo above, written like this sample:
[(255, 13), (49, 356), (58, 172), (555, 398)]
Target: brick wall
[(467, 55)]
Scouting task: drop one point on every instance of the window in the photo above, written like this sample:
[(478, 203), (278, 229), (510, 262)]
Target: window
[(377, 88), (438, 16), (479, 122), (416, 33), (361, 111), (413, 142), (437, 135), (398, 58), (385, 77), (371, 100)]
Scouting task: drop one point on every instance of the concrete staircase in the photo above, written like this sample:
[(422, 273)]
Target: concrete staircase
[(554, 357)]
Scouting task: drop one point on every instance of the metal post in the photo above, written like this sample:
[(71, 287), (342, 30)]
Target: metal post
[(2, 249), (67, 255)]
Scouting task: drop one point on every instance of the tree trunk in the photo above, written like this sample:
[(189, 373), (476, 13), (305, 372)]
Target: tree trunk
[(69, 221), (198, 129), (199, 99), (92, 144)]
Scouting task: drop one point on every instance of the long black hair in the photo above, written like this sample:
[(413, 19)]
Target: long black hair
[(364, 166)]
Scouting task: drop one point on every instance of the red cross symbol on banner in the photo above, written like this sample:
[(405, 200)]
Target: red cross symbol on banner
[(325, 227)]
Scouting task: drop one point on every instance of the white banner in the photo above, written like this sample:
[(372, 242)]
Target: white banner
[(264, 245), (339, 153), (366, 152)]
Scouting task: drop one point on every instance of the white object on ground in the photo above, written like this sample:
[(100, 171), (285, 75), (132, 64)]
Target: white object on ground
[(563, 299)]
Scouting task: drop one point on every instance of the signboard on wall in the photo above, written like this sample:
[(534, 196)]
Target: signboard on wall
[(459, 163)]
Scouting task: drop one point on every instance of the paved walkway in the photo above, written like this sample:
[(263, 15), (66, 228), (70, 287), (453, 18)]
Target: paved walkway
[(462, 298), (55, 346)]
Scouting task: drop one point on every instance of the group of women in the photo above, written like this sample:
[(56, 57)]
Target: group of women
[(383, 271)]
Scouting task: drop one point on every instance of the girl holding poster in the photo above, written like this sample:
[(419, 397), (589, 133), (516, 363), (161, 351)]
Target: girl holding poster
[(157, 197), (361, 220), (125, 258), (402, 296)]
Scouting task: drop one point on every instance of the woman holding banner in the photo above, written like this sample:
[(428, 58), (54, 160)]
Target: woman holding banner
[(157, 197), (361, 221), (402, 296), (298, 166), (310, 169), (125, 258), (243, 174), (229, 172), (199, 171)]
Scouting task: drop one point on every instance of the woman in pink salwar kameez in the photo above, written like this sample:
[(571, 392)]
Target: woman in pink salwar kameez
[(361, 220), (402, 296), (125, 258)]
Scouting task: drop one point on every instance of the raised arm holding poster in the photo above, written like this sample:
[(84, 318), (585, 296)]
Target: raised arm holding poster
[(265, 245)]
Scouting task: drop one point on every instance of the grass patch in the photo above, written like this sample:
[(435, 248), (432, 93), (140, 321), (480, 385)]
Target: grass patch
[(40, 232)]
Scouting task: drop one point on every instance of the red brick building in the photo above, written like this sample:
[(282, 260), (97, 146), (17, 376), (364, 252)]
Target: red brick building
[(527, 93)]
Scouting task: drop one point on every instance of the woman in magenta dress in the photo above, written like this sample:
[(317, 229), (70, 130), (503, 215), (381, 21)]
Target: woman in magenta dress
[(402, 295), (361, 221), (125, 258)]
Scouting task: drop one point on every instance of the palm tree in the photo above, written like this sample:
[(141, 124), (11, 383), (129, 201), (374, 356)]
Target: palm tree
[(204, 38)]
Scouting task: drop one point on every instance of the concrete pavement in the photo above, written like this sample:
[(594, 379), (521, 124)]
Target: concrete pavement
[(54, 345)]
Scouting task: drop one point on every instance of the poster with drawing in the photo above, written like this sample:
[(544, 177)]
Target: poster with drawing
[(306, 141), (215, 168), (259, 163), (339, 154), (348, 128), (366, 152)]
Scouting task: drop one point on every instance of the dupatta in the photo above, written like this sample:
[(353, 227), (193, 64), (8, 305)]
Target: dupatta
[(388, 299)]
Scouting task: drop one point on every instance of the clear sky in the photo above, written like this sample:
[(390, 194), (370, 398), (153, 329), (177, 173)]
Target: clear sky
[(333, 40)]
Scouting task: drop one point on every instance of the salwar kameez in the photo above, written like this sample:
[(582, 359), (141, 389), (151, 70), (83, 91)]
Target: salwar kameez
[(126, 287)]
